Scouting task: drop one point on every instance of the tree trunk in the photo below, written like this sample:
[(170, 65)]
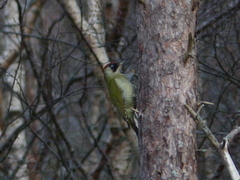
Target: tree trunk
[(167, 81)]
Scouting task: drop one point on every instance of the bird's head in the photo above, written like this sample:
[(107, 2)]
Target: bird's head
[(113, 66), (112, 69)]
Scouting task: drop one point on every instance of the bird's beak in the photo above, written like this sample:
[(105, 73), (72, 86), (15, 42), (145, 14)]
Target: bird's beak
[(120, 66)]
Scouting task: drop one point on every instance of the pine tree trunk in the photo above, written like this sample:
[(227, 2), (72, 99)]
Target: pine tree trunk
[(167, 80)]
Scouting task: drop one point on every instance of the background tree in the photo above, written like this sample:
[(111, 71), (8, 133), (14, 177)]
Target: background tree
[(72, 131)]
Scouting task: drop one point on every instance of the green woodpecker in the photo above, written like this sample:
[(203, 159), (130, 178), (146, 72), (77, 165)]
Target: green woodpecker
[(121, 93)]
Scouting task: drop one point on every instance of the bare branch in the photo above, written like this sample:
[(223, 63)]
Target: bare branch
[(223, 148), (10, 59), (214, 19), (4, 4), (31, 15), (232, 134), (197, 118), (89, 33), (228, 161)]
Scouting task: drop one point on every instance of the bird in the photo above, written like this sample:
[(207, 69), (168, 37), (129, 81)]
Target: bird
[(121, 92)]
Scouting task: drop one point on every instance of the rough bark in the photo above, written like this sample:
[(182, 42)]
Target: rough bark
[(166, 83)]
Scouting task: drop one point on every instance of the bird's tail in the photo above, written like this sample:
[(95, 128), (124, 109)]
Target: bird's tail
[(134, 122)]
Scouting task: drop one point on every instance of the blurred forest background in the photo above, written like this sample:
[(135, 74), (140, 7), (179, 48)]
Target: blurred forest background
[(56, 120)]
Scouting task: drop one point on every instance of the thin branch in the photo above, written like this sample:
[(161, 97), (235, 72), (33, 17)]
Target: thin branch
[(197, 118), (228, 161), (4, 4), (214, 19), (232, 134), (32, 15), (86, 30)]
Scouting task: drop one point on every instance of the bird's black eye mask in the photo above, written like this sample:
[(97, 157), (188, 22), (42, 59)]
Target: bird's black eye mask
[(113, 66)]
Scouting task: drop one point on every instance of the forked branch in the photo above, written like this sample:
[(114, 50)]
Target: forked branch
[(221, 147)]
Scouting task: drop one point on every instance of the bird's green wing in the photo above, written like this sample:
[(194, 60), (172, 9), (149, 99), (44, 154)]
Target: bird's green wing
[(121, 95)]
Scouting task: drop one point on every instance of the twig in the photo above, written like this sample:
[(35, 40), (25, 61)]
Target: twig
[(4, 4), (232, 134), (197, 118)]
